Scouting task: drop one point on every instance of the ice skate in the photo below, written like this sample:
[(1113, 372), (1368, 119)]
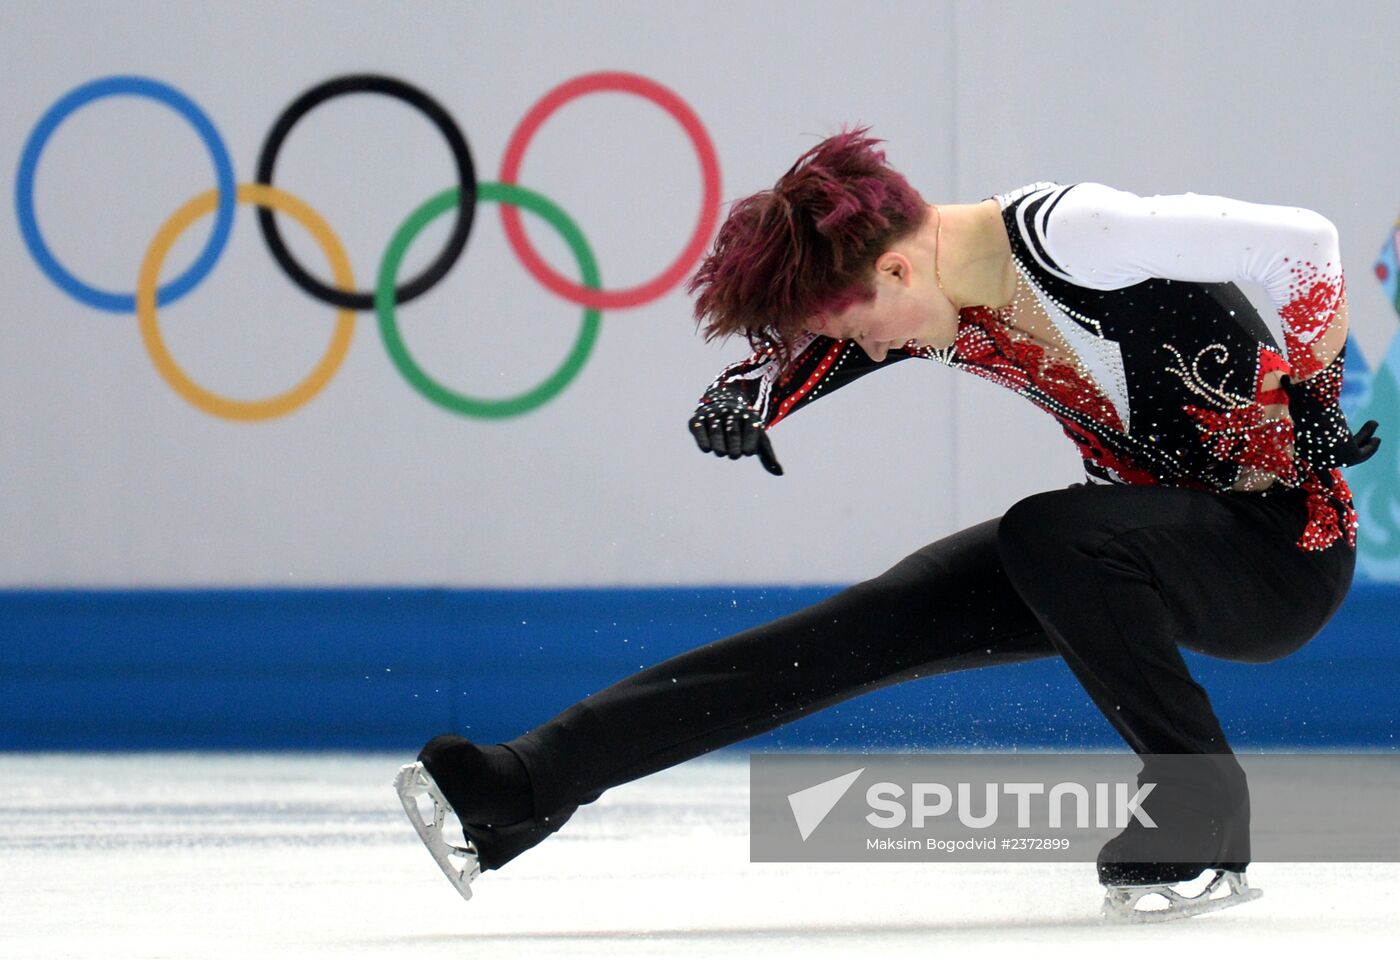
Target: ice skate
[(1186, 863), (467, 787), (1153, 902), (460, 863)]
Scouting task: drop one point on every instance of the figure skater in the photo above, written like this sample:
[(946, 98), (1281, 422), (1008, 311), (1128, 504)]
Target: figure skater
[(1214, 514)]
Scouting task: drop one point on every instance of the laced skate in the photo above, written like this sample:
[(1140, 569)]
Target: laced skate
[(461, 863), (1152, 902)]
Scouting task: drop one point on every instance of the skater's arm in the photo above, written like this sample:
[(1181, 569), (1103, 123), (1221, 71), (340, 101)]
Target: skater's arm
[(1108, 239), (820, 365), (757, 392)]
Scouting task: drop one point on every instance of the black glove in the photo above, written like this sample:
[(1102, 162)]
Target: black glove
[(1357, 448), (726, 426), (1361, 446)]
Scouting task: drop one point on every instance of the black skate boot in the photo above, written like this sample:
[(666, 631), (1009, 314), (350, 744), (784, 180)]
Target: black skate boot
[(1191, 861), (476, 785)]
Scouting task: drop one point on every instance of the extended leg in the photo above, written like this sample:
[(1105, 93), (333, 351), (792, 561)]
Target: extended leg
[(946, 607)]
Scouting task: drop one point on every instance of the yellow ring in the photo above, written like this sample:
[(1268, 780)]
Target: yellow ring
[(148, 279)]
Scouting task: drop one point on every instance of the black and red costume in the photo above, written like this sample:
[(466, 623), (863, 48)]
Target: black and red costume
[(1159, 373)]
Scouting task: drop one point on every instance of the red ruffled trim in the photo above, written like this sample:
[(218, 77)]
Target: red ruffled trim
[(1306, 319), (1090, 448), (1247, 437), (1270, 362), (978, 349), (1331, 514), (989, 351)]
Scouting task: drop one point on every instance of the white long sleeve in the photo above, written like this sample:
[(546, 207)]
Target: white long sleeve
[(1103, 238)]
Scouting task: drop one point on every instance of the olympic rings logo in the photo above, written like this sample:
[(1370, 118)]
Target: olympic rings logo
[(388, 293)]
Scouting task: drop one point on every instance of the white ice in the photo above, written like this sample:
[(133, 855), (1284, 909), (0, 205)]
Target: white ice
[(252, 856)]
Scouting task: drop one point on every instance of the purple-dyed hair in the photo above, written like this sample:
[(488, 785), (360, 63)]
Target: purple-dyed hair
[(807, 246)]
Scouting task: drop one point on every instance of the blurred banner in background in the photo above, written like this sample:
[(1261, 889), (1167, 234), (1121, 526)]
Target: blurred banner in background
[(192, 416)]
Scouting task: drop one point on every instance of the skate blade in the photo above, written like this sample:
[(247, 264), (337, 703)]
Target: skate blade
[(1122, 904), (461, 865)]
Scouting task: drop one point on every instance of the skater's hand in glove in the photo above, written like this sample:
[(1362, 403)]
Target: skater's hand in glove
[(726, 426), (1357, 448), (1361, 445)]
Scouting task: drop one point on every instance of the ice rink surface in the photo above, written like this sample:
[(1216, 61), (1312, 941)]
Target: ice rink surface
[(270, 856)]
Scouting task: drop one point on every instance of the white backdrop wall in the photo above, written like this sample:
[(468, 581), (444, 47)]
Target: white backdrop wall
[(110, 478)]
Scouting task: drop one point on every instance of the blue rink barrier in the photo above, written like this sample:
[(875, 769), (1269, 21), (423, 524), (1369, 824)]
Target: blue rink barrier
[(388, 668)]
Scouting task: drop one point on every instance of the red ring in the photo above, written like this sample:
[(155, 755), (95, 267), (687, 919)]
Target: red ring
[(709, 209)]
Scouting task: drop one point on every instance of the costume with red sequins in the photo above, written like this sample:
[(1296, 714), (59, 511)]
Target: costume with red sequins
[(1162, 377)]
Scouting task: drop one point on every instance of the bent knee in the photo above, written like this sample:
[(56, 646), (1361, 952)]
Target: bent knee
[(1050, 536), (1032, 527)]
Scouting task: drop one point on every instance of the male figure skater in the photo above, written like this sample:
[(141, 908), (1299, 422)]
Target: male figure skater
[(1215, 515)]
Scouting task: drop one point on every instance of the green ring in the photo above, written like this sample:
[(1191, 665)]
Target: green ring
[(388, 325)]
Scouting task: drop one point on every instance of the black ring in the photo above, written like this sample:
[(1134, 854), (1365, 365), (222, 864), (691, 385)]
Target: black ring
[(461, 158)]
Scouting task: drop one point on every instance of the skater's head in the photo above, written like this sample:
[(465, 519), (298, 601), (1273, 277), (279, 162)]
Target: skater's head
[(842, 245)]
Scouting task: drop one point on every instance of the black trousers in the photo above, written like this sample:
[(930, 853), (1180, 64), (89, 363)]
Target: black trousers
[(1114, 579)]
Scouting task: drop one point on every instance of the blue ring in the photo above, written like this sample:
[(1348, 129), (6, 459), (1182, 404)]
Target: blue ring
[(29, 160)]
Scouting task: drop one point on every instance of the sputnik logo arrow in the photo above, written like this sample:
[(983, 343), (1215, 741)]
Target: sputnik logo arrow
[(810, 806)]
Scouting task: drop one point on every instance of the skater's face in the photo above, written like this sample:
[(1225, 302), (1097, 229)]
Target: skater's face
[(909, 309)]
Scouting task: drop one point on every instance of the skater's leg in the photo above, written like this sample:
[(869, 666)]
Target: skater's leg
[(1119, 577), (947, 607)]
